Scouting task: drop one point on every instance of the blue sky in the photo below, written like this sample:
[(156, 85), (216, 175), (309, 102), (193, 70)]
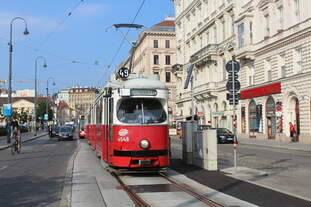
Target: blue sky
[(71, 48)]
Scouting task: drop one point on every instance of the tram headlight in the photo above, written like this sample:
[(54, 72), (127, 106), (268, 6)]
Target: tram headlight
[(144, 144)]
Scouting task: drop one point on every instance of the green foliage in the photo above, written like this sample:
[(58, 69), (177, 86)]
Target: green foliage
[(41, 110)]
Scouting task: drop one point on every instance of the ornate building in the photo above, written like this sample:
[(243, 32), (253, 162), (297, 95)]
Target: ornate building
[(80, 99), (205, 37), (155, 53), (274, 49)]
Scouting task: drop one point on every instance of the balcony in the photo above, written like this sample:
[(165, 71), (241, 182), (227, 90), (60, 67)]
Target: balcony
[(203, 91), (205, 54)]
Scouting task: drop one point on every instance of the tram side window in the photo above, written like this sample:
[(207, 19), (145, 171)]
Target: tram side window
[(99, 112), (142, 111)]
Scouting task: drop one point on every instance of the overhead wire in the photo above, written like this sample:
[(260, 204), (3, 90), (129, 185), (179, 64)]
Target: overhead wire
[(60, 24), (121, 44)]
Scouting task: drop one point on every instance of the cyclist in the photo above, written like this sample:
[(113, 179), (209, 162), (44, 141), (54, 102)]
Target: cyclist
[(15, 126)]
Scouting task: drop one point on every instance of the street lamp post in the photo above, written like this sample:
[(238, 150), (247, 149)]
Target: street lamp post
[(35, 110), (47, 95), (26, 32)]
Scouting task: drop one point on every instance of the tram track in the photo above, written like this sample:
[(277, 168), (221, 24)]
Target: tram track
[(189, 191), (140, 202)]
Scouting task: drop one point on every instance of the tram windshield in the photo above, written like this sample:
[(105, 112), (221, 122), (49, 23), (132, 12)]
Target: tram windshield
[(142, 111)]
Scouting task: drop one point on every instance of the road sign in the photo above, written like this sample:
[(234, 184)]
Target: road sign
[(46, 117), (123, 73), (233, 66), (237, 85), (230, 77), (7, 110), (230, 96), (231, 102)]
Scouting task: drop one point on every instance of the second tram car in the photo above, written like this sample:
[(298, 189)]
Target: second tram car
[(128, 124)]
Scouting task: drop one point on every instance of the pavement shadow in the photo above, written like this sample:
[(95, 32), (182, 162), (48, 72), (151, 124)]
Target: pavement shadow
[(237, 188), (30, 191)]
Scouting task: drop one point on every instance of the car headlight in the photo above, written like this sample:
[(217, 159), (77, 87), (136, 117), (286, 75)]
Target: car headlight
[(144, 144)]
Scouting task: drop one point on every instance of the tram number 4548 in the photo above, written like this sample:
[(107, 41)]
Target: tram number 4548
[(123, 73), (123, 139)]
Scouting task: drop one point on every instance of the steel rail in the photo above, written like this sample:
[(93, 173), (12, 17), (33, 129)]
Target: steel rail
[(200, 197), (135, 198)]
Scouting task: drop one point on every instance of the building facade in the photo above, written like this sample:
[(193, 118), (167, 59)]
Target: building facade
[(205, 38), (274, 49), (80, 99), (63, 95), (155, 53)]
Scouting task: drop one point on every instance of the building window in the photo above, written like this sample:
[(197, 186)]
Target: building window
[(167, 44), (155, 44), (156, 59), (297, 10), (224, 30), (282, 66), (268, 70), (251, 76), (281, 17), (298, 57), (167, 59), (241, 35), (167, 77), (215, 34), (267, 26), (224, 73), (156, 73), (251, 32)]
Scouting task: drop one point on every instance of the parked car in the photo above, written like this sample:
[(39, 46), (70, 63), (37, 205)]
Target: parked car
[(224, 136), (65, 132), (82, 133)]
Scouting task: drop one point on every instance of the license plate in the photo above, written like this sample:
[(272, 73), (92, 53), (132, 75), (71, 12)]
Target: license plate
[(144, 162), (229, 138)]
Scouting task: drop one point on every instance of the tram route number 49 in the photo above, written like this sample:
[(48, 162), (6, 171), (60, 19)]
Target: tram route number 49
[(123, 73)]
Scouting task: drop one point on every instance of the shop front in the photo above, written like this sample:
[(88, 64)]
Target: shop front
[(263, 121)]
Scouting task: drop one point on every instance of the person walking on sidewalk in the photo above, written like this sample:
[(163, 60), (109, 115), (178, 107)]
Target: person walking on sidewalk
[(292, 131)]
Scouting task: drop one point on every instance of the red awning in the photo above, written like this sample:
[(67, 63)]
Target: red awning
[(274, 88)]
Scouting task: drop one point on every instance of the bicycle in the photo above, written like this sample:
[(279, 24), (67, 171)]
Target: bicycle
[(16, 145)]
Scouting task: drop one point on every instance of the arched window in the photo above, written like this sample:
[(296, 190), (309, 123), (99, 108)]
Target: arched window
[(252, 111)]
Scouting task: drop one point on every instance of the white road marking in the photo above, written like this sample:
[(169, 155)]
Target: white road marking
[(4, 167)]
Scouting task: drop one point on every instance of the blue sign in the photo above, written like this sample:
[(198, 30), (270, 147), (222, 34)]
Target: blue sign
[(7, 110), (46, 117)]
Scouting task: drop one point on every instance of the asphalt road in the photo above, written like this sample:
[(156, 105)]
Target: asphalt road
[(35, 177)]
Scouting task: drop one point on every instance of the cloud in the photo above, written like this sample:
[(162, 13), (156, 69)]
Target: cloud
[(90, 10), (34, 22)]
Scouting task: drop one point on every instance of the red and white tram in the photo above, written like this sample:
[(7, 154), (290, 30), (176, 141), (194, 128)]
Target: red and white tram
[(128, 124)]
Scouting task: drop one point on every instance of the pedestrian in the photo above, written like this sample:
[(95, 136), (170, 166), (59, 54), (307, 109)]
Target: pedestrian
[(292, 131)]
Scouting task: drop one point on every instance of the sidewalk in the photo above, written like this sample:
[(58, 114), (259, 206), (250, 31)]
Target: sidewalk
[(92, 185), (276, 144), (25, 138)]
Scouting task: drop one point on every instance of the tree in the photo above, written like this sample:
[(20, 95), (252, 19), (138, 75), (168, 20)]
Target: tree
[(41, 109)]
